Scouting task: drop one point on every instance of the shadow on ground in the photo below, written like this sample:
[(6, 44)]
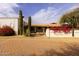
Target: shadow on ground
[(70, 50)]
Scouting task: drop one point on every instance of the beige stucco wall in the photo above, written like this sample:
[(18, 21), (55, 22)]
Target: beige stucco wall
[(12, 22)]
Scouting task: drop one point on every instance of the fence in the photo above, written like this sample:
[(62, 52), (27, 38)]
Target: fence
[(51, 33)]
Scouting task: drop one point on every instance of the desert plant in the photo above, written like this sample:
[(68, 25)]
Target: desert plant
[(29, 26), (20, 23)]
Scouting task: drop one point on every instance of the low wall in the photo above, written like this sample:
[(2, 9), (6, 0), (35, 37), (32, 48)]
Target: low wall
[(50, 33)]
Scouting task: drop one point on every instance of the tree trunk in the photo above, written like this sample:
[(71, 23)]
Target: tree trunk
[(73, 32)]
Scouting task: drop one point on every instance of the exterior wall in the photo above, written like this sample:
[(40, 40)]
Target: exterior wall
[(12, 22), (50, 33)]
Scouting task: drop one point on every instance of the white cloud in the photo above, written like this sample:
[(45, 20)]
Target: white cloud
[(45, 16), (51, 14), (7, 9)]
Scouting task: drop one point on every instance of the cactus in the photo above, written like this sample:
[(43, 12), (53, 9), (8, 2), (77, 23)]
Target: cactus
[(20, 23), (29, 26)]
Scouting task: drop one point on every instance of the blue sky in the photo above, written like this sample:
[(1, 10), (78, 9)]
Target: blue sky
[(42, 13), (30, 9)]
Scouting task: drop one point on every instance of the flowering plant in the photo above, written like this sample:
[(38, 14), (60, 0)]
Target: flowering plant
[(6, 31), (63, 28)]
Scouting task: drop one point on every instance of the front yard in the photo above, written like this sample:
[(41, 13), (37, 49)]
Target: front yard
[(40, 45)]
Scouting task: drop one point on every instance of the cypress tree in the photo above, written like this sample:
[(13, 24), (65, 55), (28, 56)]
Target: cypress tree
[(29, 26), (20, 23)]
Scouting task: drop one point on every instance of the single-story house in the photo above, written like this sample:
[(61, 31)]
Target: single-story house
[(43, 28)]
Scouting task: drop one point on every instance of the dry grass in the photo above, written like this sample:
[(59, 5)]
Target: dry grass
[(40, 45)]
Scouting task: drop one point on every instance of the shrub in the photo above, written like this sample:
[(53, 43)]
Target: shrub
[(64, 28), (6, 31)]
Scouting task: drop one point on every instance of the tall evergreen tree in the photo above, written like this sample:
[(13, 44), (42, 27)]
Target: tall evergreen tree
[(29, 26), (20, 23)]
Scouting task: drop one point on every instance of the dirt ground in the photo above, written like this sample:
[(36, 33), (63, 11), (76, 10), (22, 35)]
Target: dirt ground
[(38, 46)]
